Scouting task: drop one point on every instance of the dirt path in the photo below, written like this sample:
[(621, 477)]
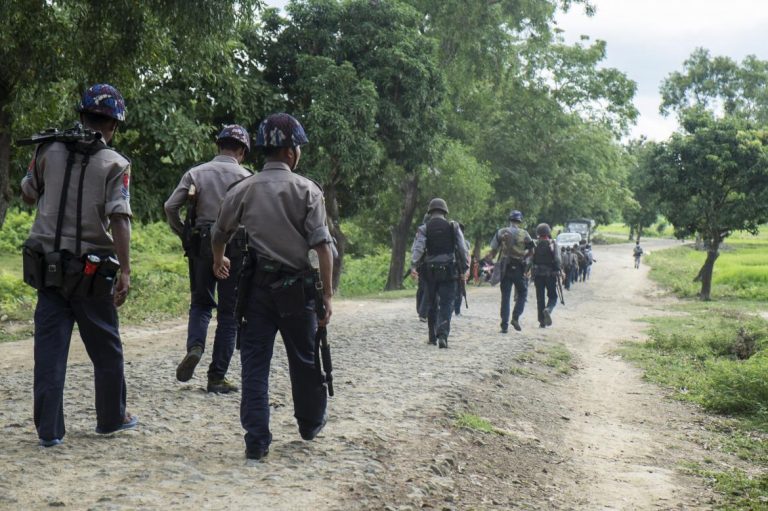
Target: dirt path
[(598, 439)]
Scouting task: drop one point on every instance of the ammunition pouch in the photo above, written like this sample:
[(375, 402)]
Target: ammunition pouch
[(65, 272), (33, 264), (197, 242)]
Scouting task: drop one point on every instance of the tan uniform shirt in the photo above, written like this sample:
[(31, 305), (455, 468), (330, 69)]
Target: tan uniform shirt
[(283, 213), (105, 193), (211, 182)]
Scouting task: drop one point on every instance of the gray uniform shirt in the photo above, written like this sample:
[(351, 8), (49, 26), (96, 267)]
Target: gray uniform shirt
[(211, 182), (283, 212), (419, 246), (105, 193)]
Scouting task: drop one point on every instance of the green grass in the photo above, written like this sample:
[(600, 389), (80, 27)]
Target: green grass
[(741, 271), (474, 422), (715, 354), (559, 358)]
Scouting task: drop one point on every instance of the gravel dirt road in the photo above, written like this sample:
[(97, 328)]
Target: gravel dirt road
[(585, 433)]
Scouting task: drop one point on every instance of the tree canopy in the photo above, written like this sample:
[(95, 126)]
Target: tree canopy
[(483, 104)]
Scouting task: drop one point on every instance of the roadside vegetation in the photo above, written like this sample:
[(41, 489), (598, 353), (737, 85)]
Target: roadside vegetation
[(715, 354), (159, 282)]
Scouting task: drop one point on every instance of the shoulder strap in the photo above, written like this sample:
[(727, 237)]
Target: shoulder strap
[(71, 150)]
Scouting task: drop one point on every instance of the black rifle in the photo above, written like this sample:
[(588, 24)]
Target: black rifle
[(188, 231), (322, 349), (463, 289), (560, 287), (76, 133), (243, 294)]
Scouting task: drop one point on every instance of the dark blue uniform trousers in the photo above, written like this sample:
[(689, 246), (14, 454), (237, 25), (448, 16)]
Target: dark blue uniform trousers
[(546, 289), (440, 297), (513, 276), (55, 317), (203, 285), (257, 340)]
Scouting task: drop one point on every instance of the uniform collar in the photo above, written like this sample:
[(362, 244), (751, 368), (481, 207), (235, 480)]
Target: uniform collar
[(223, 158), (276, 165)]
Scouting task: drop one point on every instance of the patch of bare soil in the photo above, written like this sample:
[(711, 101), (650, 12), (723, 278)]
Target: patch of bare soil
[(584, 433)]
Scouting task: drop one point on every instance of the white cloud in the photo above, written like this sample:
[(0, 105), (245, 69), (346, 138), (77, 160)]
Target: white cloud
[(649, 39)]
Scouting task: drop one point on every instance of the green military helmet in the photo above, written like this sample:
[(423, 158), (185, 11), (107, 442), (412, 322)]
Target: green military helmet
[(437, 204), (543, 230)]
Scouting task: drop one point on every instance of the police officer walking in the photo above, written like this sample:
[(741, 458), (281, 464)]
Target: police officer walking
[(546, 271), (445, 261), (515, 245), (204, 187), (284, 215), (80, 237)]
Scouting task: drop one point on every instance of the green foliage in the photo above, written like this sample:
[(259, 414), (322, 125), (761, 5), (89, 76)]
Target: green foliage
[(15, 231), (718, 83), (367, 275), (16, 298)]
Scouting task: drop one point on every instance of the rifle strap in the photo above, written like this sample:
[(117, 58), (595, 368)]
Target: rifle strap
[(63, 199), (92, 149)]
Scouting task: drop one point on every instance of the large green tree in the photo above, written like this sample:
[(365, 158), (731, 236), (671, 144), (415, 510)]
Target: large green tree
[(720, 85), (52, 49), (712, 180)]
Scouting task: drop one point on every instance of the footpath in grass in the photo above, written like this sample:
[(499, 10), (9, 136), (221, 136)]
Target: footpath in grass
[(715, 354)]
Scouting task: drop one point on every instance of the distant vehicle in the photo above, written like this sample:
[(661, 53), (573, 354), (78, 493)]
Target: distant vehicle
[(583, 226), (568, 239)]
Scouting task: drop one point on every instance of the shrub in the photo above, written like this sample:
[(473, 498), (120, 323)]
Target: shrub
[(15, 230)]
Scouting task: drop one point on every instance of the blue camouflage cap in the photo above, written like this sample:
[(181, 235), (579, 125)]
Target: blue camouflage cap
[(103, 99), (515, 216), (237, 133), (280, 130)]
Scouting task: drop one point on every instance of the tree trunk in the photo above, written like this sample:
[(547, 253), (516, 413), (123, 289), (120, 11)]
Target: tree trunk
[(631, 232), (401, 232), (334, 224), (705, 274), (639, 232), (5, 163), (477, 248)]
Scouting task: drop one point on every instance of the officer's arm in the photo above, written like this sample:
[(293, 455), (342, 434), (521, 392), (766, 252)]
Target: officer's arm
[(419, 246), (461, 248), (120, 225), (29, 185), (222, 230), (175, 202), (494, 247)]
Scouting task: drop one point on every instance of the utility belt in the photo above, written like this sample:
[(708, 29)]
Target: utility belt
[(543, 270), (91, 275), (288, 287), (196, 241), (440, 272)]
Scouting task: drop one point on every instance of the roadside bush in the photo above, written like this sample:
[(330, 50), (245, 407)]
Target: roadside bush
[(737, 387), (155, 238), (367, 275), (17, 299), (15, 230)]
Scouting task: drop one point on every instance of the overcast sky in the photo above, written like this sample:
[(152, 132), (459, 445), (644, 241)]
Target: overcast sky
[(648, 39)]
